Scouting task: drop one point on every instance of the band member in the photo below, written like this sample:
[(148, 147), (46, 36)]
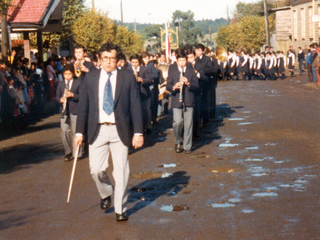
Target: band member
[(154, 88), (291, 59), (165, 101), (81, 66), (263, 66), (223, 70), (205, 68), (68, 97), (162, 59), (244, 65), (182, 81), (110, 108), (122, 61), (257, 65), (250, 66), (282, 64), (274, 67), (268, 66), (231, 66), (191, 57), (238, 66), (144, 80)]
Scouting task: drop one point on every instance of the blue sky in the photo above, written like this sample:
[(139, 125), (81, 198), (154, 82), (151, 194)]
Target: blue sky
[(160, 11)]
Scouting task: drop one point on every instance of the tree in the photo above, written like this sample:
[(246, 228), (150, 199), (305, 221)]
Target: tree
[(5, 5), (248, 33), (93, 28), (129, 41), (248, 9), (187, 31)]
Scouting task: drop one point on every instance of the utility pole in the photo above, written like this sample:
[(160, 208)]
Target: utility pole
[(5, 36), (93, 5), (267, 22), (227, 14), (135, 25), (121, 12)]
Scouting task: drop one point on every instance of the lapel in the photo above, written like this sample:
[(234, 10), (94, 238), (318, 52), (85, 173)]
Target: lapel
[(119, 85), (95, 85)]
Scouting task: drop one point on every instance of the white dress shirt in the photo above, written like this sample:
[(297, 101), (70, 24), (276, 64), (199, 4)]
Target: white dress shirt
[(103, 116)]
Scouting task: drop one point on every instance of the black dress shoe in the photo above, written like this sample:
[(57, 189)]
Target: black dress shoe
[(105, 203), (122, 217), (67, 157), (178, 148)]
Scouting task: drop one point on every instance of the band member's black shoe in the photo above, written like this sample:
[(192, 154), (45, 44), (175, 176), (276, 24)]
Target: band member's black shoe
[(67, 157), (105, 203), (122, 217), (178, 148)]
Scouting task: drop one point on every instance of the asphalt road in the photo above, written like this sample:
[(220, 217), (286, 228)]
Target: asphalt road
[(253, 174)]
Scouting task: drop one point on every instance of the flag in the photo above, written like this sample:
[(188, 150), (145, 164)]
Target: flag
[(168, 50)]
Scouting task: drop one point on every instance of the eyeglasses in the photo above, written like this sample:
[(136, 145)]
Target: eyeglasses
[(107, 59)]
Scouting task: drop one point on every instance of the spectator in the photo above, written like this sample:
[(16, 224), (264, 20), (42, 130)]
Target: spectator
[(301, 60)]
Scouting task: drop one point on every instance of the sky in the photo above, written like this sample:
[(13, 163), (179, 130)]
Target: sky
[(160, 11)]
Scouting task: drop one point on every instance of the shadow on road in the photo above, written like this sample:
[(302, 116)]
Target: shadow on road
[(25, 124), (210, 132), (22, 156), (148, 191)]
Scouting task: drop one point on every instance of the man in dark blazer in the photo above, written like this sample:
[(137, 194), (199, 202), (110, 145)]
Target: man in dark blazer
[(110, 108), (67, 95), (205, 69), (182, 82), (144, 80)]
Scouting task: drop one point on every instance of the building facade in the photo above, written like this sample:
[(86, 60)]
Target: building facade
[(295, 26)]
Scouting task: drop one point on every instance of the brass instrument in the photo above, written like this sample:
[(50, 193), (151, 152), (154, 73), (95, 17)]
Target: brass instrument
[(221, 54), (181, 87), (77, 71), (163, 92)]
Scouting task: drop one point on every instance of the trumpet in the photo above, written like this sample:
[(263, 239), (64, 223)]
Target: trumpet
[(77, 71), (181, 87)]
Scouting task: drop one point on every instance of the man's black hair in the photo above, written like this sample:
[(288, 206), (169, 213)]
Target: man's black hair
[(78, 46), (68, 67), (108, 47), (181, 53), (200, 45)]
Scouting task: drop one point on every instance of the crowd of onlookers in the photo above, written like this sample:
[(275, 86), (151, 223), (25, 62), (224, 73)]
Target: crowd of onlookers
[(26, 84)]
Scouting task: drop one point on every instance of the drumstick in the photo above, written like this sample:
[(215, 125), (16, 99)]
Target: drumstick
[(72, 173)]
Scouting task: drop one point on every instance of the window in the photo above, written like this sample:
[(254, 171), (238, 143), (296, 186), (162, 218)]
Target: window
[(303, 23), (295, 25), (310, 23)]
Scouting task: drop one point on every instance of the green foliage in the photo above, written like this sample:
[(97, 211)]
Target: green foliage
[(187, 30), (4, 6), (129, 41), (248, 9), (211, 26), (248, 33), (71, 10), (93, 28)]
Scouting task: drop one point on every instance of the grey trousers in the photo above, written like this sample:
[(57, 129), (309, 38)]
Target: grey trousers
[(183, 118), (107, 142), (68, 129)]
